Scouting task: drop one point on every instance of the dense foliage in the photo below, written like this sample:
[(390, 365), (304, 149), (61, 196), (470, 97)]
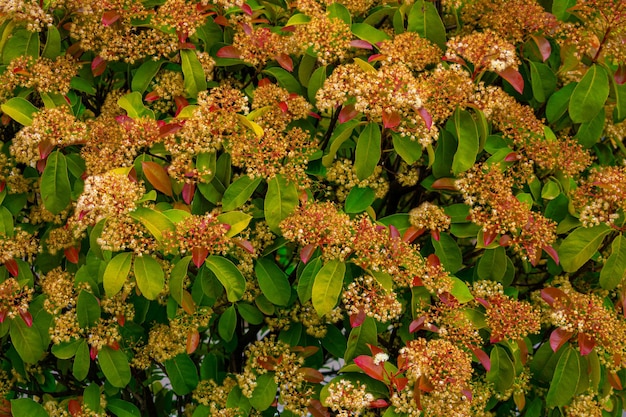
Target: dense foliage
[(364, 207)]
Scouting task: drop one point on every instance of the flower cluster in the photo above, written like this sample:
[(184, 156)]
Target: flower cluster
[(43, 74), (429, 216), (485, 50), (600, 197), (326, 37), (18, 245), (510, 319), (410, 49), (14, 299), (348, 399), (366, 295), (198, 233)]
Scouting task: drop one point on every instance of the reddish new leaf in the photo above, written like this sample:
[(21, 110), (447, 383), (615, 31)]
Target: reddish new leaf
[(71, 254), (551, 294), (193, 340), (417, 324), (284, 61), (306, 252), (221, 20), (244, 244), (347, 113), (412, 233), (229, 52), (514, 78), (523, 348), (157, 176), (512, 157), (558, 337), (376, 57), (433, 261), (316, 409), (45, 147), (615, 381), (121, 320), (27, 317), (152, 96), (11, 266), (93, 353), (198, 255), (2, 185), (361, 44), (98, 65), (544, 46), (489, 236), (357, 319), (74, 407), (620, 74), (311, 375), (586, 343), (435, 234), (246, 9), (110, 17), (552, 253), (391, 120), (483, 358), (366, 363), (188, 305), (181, 102), (424, 384), (189, 189), (444, 184), (379, 403), (169, 129), (426, 117)]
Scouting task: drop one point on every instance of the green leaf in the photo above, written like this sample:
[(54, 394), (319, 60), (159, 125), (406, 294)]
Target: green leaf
[(285, 79), (315, 83), (448, 252), (619, 113), (460, 291), (114, 365), (122, 408), (206, 161), (424, 19), (6, 222), (559, 102), (368, 33), (227, 324), (368, 151), (444, 153), (614, 268), (339, 11), (338, 137), (492, 264), (589, 132), (133, 104), (55, 183), (193, 74), (239, 192), (25, 407), (502, 373), (273, 282), (580, 245), (465, 130), (155, 221), (565, 379), (327, 286), (26, 340), (409, 150), (306, 67), (265, 392), (87, 309), (250, 313), (237, 220), (144, 75), (116, 272), (589, 95), (149, 275), (182, 373), (66, 350), (359, 199), (359, 339), (177, 279), (21, 43), (543, 81), (52, 49), (82, 361), (228, 274), (20, 110), (306, 279), (280, 201)]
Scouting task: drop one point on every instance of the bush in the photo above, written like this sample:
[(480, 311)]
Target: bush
[(312, 208)]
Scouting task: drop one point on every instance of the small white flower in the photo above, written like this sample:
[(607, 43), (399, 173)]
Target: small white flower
[(380, 358)]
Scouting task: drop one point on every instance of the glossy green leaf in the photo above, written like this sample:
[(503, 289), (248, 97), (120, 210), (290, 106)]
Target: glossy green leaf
[(155, 221), (182, 373), (502, 373), (228, 274), (339, 11), (52, 49), (409, 150), (239, 192), (6, 222), (590, 132), (359, 339), (149, 275), (590, 94), (465, 129), (193, 74), (116, 273), (237, 220), (206, 161), (55, 183), (265, 392), (66, 350), (26, 340), (559, 102), (114, 365), (87, 309), (565, 380), (250, 313), (285, 79), (306, 279), (122, 408), (327, 286), (448, 252), (25, 407), (614, 269), (227, 323), (133, 104), (315, 83), (22, 42), (460, 291), (82, 361), (543, 81), (619, 113), (177, 279), (280, 201), (424, 19), (359, 199), (339, 136), (145, 74), (273, 282), (20, 110), (368, 151), (580, 245), (368, 33), (492, 264)]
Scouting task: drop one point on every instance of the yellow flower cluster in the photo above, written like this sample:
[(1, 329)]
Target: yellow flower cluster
[(602, 196), (365, 294), (328, 38), (430, 217), (410, 49), (346, 399), (21, 245)]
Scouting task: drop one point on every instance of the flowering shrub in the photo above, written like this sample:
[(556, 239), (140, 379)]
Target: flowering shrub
[(365, 207)]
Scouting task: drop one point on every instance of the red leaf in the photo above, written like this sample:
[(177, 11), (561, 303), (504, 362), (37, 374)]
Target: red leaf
[(357, 319), (514, 78), (359, 43), (114, 345), (586, 343), (417, 324), (27, 317), (41, 165), (181, 103), (315, 115), (152, 96), (620, 74), (512, 157), (246, 9), (366, 363), (198, 255), (264, 82), (483, 358), (169, 129), (93, 353), (45, 147), (121, 320), (394, 232), (391, 120), (188, 305), (306, 252), (74, 407), (412, 233), (11, 266), (221, 20), (285, 61), (229, 52), (483, 302), (110, 17), (523, 350), (444, 184), (98, 65), (316, 409), (558, 337), (426, 117), (375, 350), (347, 113), (193, 340), (433, 261), (468, 394), (189, 189), (488, 237), (376, 57), (435, 234), (2, 185), (544, 46), (283, 106), (71, 254), (290, 28), (400, 383), (379, 403), (552, 253), (424, 384), (244, 244), (615, 381), (157, 176), (311, 375), (551, 294), (3, 316)]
